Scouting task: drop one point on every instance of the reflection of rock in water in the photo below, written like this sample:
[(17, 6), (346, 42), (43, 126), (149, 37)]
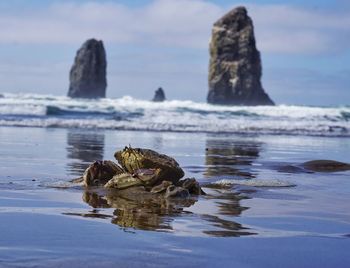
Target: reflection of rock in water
[(137, 209), (83, 149), (229, 203), (229, 157), (227, 228)]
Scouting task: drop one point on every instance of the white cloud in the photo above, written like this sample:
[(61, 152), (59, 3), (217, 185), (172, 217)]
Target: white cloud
[(183, 23), (288, 29)]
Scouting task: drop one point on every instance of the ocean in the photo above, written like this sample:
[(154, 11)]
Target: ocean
[(127, 113), (262, 207)]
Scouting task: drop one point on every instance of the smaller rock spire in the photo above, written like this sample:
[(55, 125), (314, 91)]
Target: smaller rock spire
[(159, 95)]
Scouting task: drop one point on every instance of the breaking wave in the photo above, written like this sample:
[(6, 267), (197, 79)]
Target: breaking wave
[(127, 113)]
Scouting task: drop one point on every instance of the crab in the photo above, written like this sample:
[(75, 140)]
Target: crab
[(140, 177), (100, 172), (155, 173), (133, 159)]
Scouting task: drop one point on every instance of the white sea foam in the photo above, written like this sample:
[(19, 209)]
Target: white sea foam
[(255, 183), (129, 113)]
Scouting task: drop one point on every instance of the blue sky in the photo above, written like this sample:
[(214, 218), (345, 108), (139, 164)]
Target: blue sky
[(305, 46)]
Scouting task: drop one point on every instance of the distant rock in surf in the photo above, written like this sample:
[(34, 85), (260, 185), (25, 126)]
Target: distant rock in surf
[(315, 166), (88, 74), (326, 166), (2, 96), (235, 65), (159, 95)]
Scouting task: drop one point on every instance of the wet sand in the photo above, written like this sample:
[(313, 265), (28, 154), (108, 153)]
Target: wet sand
[(44, 224)]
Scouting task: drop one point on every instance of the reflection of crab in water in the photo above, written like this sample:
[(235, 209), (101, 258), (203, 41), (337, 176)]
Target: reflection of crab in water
[(136, 208), (154, 172), (139, 209)]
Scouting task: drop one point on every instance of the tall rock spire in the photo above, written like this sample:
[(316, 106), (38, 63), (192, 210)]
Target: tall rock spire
[(235, 66), (88, 74)]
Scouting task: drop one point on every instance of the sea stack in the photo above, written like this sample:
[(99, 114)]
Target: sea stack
[(159, 95), (88, 74), (235, 65)]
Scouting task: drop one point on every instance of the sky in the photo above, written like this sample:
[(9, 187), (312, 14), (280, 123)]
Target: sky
[(304, 45)]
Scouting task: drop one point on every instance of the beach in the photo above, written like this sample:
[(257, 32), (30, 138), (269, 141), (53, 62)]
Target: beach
[(261, 208), (163, 133)]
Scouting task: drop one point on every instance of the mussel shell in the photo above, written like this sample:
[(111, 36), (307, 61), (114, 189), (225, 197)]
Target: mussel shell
[(123, 181)]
